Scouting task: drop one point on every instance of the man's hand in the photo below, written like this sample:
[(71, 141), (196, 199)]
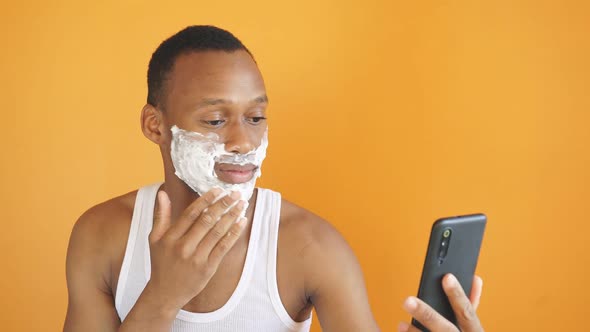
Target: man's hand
[(463, 307), (186, 253)]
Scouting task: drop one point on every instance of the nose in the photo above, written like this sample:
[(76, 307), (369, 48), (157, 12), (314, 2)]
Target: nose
[(238, 139)]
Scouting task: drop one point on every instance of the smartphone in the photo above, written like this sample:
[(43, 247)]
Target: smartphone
[(453, 248)]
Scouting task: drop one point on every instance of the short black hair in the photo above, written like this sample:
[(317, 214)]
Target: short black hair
[(196, 38)]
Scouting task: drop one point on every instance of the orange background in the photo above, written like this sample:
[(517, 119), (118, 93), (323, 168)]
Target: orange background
[(384, 116)]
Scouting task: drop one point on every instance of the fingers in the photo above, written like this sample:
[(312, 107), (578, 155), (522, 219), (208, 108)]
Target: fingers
[(208, 219), (476, 290), (192, 213), (214, 212), (463, 307), (227, 242), (218, 231), (427, 316), (464, 311), (161, 217)]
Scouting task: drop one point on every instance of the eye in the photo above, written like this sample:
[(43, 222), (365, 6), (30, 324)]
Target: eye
[(214, 123), (256, 119)]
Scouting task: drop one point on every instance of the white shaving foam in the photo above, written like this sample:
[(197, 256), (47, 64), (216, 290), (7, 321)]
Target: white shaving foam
[(194, 156)]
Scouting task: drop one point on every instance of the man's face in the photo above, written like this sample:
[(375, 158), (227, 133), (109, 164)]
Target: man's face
[(222, 93)]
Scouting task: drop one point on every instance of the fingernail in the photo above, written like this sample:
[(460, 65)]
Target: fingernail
[(163, 197), (451, 280), (410, 303), (235, 195)]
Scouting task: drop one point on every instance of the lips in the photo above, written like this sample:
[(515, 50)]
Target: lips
[(235, 174)]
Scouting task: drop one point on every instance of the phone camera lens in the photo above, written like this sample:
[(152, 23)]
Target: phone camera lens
[(444, 245)]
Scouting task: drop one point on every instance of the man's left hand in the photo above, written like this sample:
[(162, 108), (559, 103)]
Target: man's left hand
[(463, 307)]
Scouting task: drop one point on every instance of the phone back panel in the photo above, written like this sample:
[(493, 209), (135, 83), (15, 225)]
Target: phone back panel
[(460, 260)]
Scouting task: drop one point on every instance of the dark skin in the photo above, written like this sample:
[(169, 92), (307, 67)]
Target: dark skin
[(223, 93)]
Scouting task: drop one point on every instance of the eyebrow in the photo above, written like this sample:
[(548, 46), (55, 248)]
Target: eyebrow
[(217, 101)]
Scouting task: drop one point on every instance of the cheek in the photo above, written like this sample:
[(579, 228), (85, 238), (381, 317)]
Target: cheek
[(261, 134), (254, 134), (187, 122)]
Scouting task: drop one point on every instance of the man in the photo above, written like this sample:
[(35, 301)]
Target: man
[(205, 251)]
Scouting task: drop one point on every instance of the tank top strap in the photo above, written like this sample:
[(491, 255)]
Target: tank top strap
[(273, 202), (143, 211)]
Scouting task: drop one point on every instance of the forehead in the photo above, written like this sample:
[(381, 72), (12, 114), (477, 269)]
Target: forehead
[(213, 74)]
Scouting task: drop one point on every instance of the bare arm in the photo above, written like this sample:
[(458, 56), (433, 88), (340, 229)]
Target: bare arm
[(335, 282), (90, 302)]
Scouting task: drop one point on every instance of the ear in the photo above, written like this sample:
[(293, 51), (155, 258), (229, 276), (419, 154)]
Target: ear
[(153, 124)]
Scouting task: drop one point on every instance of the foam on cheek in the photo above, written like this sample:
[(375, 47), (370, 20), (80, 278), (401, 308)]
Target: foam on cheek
[(194, 156)]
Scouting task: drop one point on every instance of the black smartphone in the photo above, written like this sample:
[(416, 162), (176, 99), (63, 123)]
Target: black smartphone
[(453, 248)]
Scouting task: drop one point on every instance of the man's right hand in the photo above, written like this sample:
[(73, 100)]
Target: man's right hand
[(186, 253)]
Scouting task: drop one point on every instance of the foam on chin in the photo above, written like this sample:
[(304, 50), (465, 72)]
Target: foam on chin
[(194, 156)]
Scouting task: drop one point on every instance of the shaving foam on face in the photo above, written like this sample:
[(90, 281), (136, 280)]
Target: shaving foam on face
[(194, 156)]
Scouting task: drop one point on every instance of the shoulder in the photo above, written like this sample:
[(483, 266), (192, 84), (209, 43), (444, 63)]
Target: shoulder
[(102, 221), (315, 243), (99, 236), (332, 276), (306, 228)]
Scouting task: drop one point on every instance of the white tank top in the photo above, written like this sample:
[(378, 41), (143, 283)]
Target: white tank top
[(255, 305)]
